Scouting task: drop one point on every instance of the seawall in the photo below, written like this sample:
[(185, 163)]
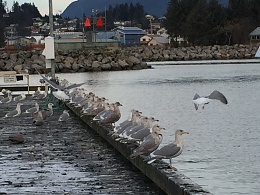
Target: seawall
[(171, 182), (116, 59)]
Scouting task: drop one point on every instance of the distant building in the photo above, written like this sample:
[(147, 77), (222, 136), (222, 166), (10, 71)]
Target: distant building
[(152, 40), (11, 30), (129, 36), (255, 36)]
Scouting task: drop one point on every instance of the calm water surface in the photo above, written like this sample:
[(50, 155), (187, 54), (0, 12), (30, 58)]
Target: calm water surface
[(222, 151)]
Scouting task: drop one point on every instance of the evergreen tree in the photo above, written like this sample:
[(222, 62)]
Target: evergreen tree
[(174, 20), (2, 36), (196, 25)]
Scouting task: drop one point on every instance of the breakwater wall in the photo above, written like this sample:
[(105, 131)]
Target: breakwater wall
[(114, 59), (172, 183)]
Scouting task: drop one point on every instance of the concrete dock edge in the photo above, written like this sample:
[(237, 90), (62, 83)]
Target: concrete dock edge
[(171, 182)]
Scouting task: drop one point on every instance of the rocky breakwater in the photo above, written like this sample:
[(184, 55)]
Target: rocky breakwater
[(87, 60), (113, 59)]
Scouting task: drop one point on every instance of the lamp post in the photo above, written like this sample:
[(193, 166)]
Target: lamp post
[(52, 35), (150, 18), (94, 13)]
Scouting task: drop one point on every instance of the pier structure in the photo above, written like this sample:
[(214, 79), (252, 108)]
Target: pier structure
[(78, 157)]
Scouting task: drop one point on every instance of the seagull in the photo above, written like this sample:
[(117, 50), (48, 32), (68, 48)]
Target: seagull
[(33, 110), (150, 143), (215, 95), (37, 92), (64, 116), (15, 112), (61, 93), (111, 116), (48, 112), (171, 150), (19, 97), (7, 99), (38, 121)]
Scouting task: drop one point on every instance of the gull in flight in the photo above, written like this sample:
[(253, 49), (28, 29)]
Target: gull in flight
[(61, 92), (215, 95)]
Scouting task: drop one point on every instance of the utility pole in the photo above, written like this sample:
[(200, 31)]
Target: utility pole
[(94, 12), (52, 35)]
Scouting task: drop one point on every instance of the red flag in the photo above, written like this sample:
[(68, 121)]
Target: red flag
[(99, 22), (87, 22)]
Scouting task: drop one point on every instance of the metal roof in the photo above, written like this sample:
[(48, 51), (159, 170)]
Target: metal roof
[(130, 30), (255, 32)]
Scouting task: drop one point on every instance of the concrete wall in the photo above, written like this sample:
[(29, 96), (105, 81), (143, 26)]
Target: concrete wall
[(172, 183)]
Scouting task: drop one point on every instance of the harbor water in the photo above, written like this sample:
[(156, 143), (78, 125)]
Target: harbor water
[(222, 150)]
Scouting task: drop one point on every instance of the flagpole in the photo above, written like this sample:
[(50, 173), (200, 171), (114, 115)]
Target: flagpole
[(106, 23), (52, 35), (83, 34)]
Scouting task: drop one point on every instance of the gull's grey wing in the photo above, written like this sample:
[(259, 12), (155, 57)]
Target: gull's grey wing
[(218, 96), (196, 96), (168, 150), (54, 85), (11, 113), (74, 85)]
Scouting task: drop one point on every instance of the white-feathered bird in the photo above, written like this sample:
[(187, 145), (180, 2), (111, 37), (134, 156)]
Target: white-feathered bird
[(215, 95), (20, 97), (15, 112), (62, 91), (171, 150), (64, 116)]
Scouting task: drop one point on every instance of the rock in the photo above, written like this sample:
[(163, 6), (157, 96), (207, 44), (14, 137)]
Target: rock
[(106, 67), (123, 64), (115, 66), (132, 60), (5, 55), (34, 57), (18, 68), (96, 64)]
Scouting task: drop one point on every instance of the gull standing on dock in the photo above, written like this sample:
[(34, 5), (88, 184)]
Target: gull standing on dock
[(111, 116), (215, 95), (19, 97), (37, 92), (150, 143), (171, 150), (47, 112), (64, 116), (38, 121), (7, 99), (33, 110), (15, 112)]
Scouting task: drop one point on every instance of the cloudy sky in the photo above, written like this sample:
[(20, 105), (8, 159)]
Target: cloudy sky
[(43, 5)]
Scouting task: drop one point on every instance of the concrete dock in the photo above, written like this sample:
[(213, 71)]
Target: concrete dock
[(77, 157), (63, 158), (171, 182)]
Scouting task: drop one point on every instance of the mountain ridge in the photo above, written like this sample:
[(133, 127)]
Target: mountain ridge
[(154, 7)]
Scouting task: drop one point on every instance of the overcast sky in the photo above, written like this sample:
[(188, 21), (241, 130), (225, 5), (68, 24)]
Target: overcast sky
[(43, 5)]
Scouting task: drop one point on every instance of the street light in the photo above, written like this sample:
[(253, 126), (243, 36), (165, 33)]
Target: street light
[(150, 18)]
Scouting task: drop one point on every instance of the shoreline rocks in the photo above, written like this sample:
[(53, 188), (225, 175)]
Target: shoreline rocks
[(116, 59)]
